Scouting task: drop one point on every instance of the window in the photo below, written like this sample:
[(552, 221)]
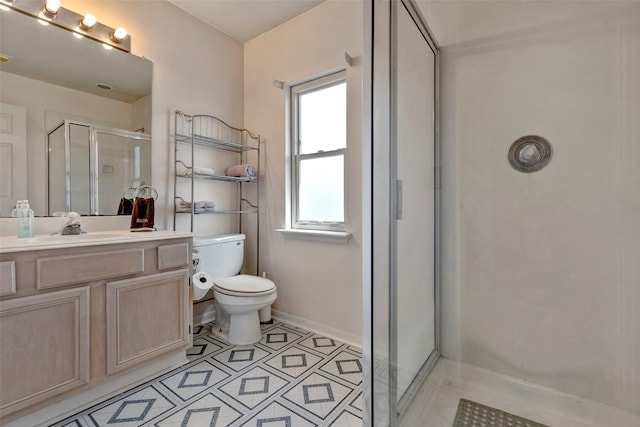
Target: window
[(318, 144)]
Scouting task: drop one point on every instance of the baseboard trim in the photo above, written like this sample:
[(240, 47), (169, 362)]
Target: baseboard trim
[(352, 340), (318, 328)]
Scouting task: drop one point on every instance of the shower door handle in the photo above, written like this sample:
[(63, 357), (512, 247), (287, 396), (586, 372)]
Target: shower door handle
[(398, 199)]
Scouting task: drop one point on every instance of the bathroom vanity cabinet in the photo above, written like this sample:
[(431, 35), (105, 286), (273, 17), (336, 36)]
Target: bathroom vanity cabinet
[(74, 318)]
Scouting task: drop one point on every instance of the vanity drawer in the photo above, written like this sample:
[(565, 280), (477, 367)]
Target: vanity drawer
[(173, 256), (7, 278), (66, 270)]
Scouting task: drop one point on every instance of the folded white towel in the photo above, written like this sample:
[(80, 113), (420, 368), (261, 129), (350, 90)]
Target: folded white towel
[(198, 207), (199, 170), (247, 170)]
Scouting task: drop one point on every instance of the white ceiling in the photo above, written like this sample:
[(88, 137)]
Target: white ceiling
[(245, 19)]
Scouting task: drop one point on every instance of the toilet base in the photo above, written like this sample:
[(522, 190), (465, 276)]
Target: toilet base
[(243, 329), (265, 314)]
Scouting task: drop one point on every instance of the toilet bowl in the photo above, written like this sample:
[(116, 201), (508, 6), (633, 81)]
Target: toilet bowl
[(244, 301), (241, 301)]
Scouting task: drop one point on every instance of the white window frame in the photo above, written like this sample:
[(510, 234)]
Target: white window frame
[(296, 91)]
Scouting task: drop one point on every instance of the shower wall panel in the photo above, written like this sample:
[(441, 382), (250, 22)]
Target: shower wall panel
[(541, 278)]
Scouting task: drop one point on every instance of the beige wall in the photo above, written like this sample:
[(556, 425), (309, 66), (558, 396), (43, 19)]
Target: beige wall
[(540, 271), (318, 281)]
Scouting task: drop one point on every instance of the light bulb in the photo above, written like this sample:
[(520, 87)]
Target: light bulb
[(88, 21), (52, 6), (119, 34)]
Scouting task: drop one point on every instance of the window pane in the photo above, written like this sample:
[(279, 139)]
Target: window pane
[(323, 119), (321, 195)]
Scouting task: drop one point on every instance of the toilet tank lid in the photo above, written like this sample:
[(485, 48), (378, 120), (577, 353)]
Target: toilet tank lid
[(220, 238), (246, 284)]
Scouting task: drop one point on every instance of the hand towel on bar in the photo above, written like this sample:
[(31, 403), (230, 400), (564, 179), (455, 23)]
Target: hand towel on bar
[(125, 207), (142, 215), (248, 171)]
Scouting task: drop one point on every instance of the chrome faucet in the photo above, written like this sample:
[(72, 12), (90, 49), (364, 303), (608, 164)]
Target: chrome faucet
[(72, 226)]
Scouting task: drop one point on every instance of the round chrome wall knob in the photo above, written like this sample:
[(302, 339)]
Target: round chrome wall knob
[(530, 153)]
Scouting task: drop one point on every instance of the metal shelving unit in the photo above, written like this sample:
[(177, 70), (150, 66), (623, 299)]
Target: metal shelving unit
[(211, 133)]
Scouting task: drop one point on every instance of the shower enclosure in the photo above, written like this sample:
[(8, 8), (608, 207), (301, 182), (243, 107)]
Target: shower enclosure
[(89, 167), (516, 287), (405, 214)]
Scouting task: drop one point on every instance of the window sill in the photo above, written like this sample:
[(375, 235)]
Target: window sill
[(317, 235)]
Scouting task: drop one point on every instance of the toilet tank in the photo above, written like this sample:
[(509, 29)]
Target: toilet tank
[(220, 256)]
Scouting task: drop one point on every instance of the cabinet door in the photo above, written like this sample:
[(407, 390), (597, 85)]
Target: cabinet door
[(44, 347), (146, 317)]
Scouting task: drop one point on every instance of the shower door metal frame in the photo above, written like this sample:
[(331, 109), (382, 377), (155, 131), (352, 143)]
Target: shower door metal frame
[(415, 14), (382, 126)]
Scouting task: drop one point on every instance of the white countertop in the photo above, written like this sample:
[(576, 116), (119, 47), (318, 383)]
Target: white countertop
[(40, 242)]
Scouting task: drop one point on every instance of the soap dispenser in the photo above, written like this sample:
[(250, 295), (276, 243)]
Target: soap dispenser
[(25, 219)]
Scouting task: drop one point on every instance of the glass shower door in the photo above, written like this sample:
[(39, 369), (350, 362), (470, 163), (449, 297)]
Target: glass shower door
[(415, 192), (404, 216)]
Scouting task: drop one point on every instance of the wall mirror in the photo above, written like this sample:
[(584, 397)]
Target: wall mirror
[(49, 78)]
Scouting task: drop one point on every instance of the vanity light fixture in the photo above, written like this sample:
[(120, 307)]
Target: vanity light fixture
[(51, 8), (80, 25), (118, 35), (88, 22)]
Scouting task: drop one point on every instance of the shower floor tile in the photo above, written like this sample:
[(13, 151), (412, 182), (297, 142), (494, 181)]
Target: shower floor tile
[(292, 377)]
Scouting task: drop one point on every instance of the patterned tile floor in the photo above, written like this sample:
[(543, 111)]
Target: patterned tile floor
[(291, 378)]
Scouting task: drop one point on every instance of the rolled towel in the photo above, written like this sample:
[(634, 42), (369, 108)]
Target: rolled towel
[(248, 171)]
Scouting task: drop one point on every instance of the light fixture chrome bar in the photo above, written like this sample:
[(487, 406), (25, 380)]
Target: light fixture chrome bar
[(71, 21)]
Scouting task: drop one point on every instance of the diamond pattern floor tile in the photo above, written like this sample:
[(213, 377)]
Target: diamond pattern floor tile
[(347, 419), (294, 361), (278, 338), (194, 380), (357, 403), (346, 366), (291, 378), (318, 394), (136, 409), (277, 415), (321, 344), (253, 387), (202, 347), (206, 411), (241, 357)]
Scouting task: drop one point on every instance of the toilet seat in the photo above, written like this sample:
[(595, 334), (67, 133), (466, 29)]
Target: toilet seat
[(244, 285)]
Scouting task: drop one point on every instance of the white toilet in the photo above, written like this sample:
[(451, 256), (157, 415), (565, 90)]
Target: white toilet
[(242, 301)]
